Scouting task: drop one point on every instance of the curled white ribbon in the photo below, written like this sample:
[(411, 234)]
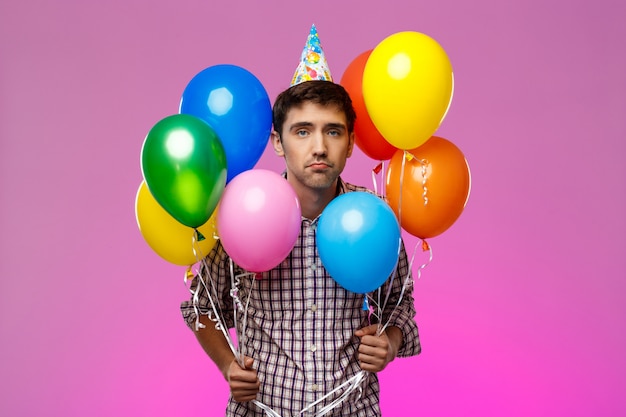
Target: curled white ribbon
[(349, 387), (408, 281), (214, 315)]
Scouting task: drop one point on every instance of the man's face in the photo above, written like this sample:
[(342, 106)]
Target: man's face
[(315, 144)]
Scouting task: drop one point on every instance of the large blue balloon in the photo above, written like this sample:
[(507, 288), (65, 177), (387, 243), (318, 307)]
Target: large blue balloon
[(236, 105), (358, 240)]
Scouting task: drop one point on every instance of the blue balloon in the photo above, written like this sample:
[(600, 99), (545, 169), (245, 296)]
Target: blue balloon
[(358, 240), (236, 105)]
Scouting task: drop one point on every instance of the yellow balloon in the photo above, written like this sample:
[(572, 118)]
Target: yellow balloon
[(407, 88), (170, 239)]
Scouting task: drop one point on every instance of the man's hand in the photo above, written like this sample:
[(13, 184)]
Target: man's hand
[(244, 383), (375, 352)]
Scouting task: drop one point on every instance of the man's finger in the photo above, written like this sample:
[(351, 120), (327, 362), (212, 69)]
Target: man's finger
[(248, 362), (367, 330)]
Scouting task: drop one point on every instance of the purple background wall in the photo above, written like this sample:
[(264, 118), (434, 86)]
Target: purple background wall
[(522, 311)]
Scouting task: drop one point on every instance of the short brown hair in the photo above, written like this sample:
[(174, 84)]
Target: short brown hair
[(321, 92)]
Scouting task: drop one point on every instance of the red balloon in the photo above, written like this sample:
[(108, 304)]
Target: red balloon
[(368, 139), (445, 189)]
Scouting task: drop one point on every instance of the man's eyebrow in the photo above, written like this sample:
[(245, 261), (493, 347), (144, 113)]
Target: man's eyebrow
[(335, 126), (331, 125), (298, 125)]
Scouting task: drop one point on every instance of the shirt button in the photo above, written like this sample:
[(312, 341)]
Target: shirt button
[(314, 387), (313, 348), (313, 267), (314, 308)]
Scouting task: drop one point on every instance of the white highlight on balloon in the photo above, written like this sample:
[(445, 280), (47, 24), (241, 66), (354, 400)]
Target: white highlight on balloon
[(179, 144), (399, 66), (254, 200), (352, 220), (220, 101)]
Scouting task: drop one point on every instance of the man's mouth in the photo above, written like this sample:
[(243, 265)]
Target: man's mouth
[(318, 165)]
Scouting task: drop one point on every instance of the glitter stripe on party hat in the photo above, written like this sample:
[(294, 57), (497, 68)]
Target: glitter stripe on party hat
[(313, 65)]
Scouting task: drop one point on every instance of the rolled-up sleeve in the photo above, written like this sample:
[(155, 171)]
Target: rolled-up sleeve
[(214, 276), (399, 311)]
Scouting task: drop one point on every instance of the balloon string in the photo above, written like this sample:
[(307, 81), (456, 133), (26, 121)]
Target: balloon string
[(195, 247), (383, 306), (377, 310), (350, 385), (268, 411), (219, 325), (407, 156), (424, 165), (238, 305), (377, 170), (234, 294), (425, 248), (214, 316), (407, 280), (188, 276), (404, 159), (215, 308), (235, 281), (197, 251)]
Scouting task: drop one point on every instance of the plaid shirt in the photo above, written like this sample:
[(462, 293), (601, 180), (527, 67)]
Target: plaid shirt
[(300, 328)]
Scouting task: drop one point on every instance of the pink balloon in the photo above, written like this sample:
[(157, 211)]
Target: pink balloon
[(258, 219)]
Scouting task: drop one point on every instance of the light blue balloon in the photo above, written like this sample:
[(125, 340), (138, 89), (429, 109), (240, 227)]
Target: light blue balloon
[(358, 240), (236, 105)]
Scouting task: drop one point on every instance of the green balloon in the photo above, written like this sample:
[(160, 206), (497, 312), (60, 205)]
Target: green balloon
[(184, 166)]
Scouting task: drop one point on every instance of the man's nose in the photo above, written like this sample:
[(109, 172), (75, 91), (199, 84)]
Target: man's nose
[(319, 144)]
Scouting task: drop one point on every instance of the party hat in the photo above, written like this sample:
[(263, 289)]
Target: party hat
[(313, 65)]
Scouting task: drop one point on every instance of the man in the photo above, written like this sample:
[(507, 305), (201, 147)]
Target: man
[(302, 334)]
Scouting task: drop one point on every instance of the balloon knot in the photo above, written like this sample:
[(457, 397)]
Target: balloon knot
[(378, 168), (199, 236), (188, 274), (425, 246)]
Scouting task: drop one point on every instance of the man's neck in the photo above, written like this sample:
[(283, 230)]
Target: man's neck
[(314, 201)]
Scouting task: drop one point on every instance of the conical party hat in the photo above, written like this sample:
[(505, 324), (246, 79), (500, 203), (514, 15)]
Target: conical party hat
[(313, 65)]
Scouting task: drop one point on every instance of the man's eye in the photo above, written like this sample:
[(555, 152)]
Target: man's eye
[(302, 133), (333, 133)]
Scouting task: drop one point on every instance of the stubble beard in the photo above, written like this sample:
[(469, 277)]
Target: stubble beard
[(318, 180)]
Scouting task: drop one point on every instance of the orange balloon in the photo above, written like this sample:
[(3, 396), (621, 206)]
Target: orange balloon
[(368, 138), (435, 187)]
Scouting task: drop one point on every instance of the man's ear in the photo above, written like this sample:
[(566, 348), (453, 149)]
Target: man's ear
[(351, 144), (277, 143)]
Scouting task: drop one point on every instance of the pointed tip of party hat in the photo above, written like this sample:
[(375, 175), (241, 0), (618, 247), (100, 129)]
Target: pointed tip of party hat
[(313, 65)]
